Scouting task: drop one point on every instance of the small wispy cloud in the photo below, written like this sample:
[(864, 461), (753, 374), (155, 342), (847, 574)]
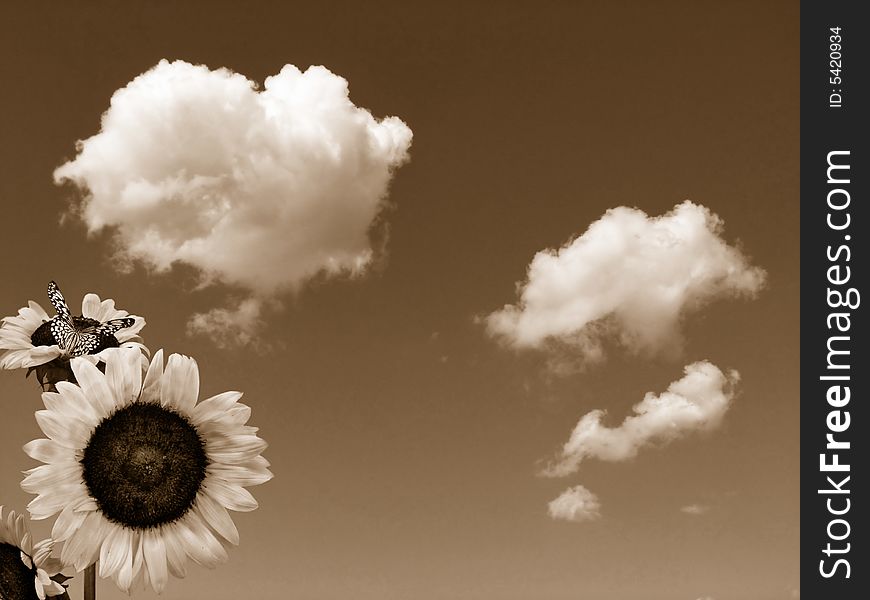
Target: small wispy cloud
[(696, 402), (695, 509), (261, 190), (627, 280), (237, 326), (576, 504)]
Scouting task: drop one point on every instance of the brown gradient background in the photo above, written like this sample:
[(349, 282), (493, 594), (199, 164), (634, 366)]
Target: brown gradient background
[(405, 442)]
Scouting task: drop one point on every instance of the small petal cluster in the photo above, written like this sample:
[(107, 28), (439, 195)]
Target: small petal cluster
[(120, 495), (20, 350), (26, 567)]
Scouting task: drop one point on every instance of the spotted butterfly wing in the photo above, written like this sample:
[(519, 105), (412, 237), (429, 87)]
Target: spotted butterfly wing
[(90, 339), (58, 302), (77, 338), (62, 327), (111, 327)]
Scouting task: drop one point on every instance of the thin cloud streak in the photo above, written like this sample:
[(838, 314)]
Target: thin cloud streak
[(695, 509), (696, 402)]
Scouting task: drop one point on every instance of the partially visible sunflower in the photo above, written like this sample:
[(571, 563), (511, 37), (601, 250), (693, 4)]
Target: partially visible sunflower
[(25, 568), (30, 339), (141, 473)]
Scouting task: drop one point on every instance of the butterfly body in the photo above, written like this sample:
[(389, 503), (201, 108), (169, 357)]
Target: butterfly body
[(77, 335)]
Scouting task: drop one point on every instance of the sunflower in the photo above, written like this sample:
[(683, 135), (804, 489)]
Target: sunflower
[(141, 473), (25, 568), (33, 338)]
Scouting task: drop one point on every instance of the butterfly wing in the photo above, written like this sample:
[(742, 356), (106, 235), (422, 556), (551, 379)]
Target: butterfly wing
[(64, 333), (58, 302), (110, 327), (92, 339)]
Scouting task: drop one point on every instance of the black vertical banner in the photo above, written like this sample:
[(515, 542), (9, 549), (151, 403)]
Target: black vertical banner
[(835, 222)]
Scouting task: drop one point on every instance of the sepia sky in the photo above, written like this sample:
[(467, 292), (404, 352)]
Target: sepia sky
[(418, 382)]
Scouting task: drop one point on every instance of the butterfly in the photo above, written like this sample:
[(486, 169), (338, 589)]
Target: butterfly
[(77, 336)]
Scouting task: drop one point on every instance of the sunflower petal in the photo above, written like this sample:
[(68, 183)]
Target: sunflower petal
[(115, 550), (180, 385), (199, 543), (123, 374), (47, 451), (217, 517), (91, 307), (155, 559), (229, 495), (210, 409), (68, 432), (46, 477), (175, 556), (93, 384), (81, 548), (151, 384)]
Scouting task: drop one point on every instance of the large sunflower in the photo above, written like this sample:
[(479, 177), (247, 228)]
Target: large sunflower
[(33, 338), (141, 473), (25, 568)]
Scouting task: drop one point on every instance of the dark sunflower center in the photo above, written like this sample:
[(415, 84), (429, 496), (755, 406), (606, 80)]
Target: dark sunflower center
[(43, 336), (144, 465), (16, 580)]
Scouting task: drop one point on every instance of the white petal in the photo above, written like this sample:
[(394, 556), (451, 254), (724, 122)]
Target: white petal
[(80, 549), (47, 477), (68, 521), (68, 432), (211, 408), (47, 451), (45, 505), (137, 568), (37, 585), (132, 332), (12, 338), (217, 517), (180, 385), (155, 559), (123, 373), (71, 403), (115, 550), (93, 384), (89, 408), (38, 311), (231, 496), (126, 575), (234, 448), (41, 553), (14, 359), (151, 385), (53, 588), (26, 545), (175, 556), (245, 474), (41, 355), (91, 307), (199, 543)]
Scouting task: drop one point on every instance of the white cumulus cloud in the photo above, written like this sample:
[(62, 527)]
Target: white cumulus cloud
[(696, 402), (575, 504), (629, 277), (257, 189)]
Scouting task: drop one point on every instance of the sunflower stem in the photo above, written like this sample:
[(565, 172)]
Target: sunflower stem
[(91, 582)]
